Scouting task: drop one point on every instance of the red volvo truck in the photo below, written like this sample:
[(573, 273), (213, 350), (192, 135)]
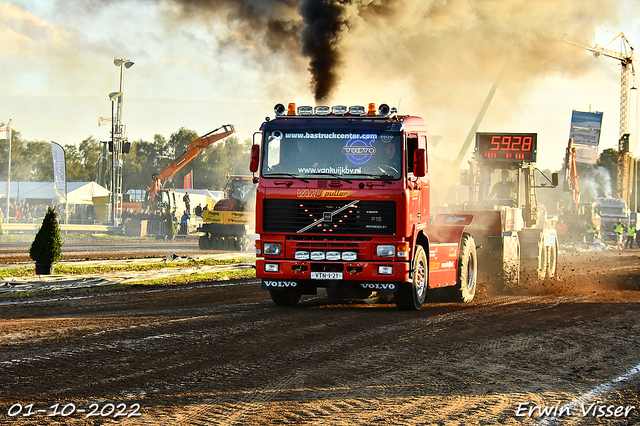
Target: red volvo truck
[(342, 203)]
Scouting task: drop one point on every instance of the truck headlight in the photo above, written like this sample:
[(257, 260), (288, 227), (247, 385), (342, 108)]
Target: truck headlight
[(273, 249), (386, 250)]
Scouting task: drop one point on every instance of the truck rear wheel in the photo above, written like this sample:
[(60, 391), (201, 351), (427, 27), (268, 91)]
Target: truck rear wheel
[(286, 297), (552, 260), (465, 288), (411, 296), (542, 260)]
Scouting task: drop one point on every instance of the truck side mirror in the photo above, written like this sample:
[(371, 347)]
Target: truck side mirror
[(255, 158), (419, 162), (554, 179), (464, 177)]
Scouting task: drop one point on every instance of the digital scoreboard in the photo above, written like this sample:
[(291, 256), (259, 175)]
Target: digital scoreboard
[(516, 147)]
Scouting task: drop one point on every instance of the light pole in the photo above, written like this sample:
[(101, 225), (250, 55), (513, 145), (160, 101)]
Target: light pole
[(117, 137), (634, 157)]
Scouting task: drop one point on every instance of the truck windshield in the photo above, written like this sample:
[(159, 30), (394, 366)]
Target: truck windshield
[(613, 211), (330, 154)]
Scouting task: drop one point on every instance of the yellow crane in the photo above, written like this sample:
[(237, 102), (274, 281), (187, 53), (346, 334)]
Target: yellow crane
[(625, 56)]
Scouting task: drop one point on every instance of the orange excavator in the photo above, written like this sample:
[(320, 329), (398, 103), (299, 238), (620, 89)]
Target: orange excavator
[(192, 151), (580, 220)]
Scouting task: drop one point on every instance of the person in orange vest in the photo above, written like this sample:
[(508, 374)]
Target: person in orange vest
[(562, 227)]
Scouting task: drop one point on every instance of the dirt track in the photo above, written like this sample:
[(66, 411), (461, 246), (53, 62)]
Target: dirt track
[(224, 354)]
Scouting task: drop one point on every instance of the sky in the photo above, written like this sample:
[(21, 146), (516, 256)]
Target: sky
[(203, 64)]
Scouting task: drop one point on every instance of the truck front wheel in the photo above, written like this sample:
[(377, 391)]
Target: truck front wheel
[(411, 296), (467, 270), (287, 297)]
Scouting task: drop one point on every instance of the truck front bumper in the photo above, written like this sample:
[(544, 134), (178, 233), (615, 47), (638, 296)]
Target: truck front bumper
[(376, 276)]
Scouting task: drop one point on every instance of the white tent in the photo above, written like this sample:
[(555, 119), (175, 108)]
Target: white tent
[(84, 192), (77, 192)]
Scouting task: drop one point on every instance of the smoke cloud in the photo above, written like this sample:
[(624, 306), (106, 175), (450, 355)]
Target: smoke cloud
[(433, 58), (596, 184), (428, 44)]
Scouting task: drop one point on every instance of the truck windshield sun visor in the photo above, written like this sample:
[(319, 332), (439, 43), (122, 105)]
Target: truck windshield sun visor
[(340, 153)]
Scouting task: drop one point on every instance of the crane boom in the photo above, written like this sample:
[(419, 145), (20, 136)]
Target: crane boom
[(192, 151), (626, 61)]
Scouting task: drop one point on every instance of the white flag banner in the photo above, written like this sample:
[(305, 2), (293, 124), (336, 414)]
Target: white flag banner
[(59, 172), (104, 121), (6, 128), (586, 154)]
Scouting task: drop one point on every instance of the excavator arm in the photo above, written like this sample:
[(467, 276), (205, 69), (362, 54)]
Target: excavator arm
[(192, 151), (571, 177)]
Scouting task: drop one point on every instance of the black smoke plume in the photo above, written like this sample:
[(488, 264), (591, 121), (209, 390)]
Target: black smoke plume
[(324, 22), (312, 28)]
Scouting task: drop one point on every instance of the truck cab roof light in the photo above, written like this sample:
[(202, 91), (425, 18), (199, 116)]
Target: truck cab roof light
[(305, 110), (322, 110), (339, 110), (279, 109), (372, 109), (384, 110), (292, 109), (356, 110)]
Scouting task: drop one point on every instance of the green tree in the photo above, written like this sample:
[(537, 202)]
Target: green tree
[(41, 163), (46, 247), (143, 162), (179, 142), (85, 160), (229, 156), (21, 158)]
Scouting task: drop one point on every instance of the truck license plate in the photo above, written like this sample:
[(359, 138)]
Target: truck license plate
[(326, 275)]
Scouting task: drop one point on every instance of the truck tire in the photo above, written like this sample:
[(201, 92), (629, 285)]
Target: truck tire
[(245, 244), (202, 242), (542, 260), (552, 260), (465, 288), (287, 297), (411, 296)]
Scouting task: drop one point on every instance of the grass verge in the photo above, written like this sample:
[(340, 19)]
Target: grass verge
[(70, 269)]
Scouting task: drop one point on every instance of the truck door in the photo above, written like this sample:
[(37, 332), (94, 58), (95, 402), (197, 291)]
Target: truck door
[(418, 187), (425, 182)]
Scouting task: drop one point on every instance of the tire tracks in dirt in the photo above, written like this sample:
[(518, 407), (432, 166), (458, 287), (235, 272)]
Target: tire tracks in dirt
[(320, 404)]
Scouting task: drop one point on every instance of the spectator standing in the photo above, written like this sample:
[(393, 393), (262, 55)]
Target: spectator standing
[(184, 223), (187, 202), (591, 233), (631, 233)]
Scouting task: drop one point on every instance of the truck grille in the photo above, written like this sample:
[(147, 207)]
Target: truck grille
[(363, 218)]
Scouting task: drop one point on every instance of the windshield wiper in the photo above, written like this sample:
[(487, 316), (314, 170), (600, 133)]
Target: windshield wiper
[(291, 175), (385, 177), (335, 175)]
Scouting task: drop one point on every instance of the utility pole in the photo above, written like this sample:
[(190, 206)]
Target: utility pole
[(117, 139)]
